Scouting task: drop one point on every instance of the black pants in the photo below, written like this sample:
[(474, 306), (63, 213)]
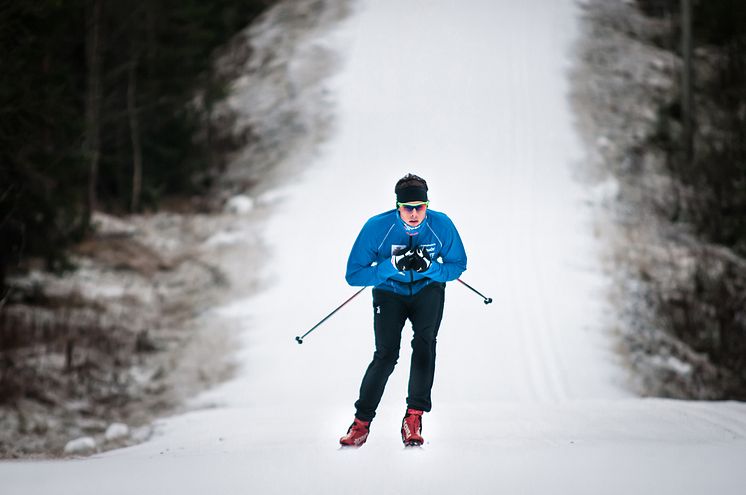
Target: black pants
[(390, 312)]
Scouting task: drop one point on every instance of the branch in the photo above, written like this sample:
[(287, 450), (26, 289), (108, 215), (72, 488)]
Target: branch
[(4, 299), (5, 194)]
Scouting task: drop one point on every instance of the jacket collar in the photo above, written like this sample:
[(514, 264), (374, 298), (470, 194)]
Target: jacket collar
[(408, 229)]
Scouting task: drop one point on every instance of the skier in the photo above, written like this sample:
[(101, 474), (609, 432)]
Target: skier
[(407, 254)]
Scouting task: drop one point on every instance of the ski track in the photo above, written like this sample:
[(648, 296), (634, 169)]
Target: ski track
[(528, 395), (547, 383), (718, 417)]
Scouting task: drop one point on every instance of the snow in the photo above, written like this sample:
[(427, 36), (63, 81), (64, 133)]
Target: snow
[(529, 395), (110, 225), (239, 204), (226, 238), (672, 363), (117, 432), (80, 446)]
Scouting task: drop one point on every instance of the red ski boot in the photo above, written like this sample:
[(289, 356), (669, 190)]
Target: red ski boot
[(411, 428), (357, 434)]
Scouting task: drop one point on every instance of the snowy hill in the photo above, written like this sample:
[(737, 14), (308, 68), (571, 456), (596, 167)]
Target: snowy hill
[(528, 397)]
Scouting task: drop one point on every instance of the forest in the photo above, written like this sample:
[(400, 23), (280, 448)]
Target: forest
[(103, 106), (668, 82), (105, 112), (702, 135)]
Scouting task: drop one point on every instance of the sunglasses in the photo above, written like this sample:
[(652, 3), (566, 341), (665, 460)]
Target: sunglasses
[(420, 207)]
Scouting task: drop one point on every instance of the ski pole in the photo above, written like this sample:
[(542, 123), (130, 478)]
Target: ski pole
[(487, 300), (300, 339)]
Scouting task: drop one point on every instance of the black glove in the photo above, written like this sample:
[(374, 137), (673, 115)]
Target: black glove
[(404, 259), (421, 259)]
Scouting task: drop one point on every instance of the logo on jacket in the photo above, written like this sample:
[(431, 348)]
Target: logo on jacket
[(430, 248)]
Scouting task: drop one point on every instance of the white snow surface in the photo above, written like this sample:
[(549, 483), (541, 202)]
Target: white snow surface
[(529, 395)]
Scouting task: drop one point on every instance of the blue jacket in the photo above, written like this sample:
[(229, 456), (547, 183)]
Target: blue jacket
[(370, 259)]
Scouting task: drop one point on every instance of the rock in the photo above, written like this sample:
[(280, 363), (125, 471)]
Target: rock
[(117, 432), (239, 205), (80, 446)]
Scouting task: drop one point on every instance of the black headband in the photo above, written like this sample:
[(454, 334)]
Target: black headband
[(410, 194)]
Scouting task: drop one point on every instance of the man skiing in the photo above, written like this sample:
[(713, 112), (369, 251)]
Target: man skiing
[(407, 254)]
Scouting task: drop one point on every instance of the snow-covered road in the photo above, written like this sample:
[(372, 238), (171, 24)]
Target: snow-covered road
[(529, 396)]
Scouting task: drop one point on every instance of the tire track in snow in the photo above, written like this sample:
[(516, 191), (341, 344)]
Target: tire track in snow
[(521, 273), (518, 276), (541, 341), (540, 346), (714, 414), (545, 327)]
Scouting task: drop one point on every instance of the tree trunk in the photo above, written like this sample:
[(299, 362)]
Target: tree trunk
[(91, 144), (4, 291), (134, 133), (151, 47), (687, 96)]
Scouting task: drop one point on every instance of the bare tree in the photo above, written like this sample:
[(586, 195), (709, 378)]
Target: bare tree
[(91, 143), (687, 96), (134, 131)]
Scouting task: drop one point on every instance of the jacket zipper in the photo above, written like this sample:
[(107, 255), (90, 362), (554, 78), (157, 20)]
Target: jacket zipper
[(411, 275)]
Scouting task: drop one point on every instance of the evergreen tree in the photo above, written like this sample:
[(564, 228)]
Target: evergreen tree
[(95, 111)]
